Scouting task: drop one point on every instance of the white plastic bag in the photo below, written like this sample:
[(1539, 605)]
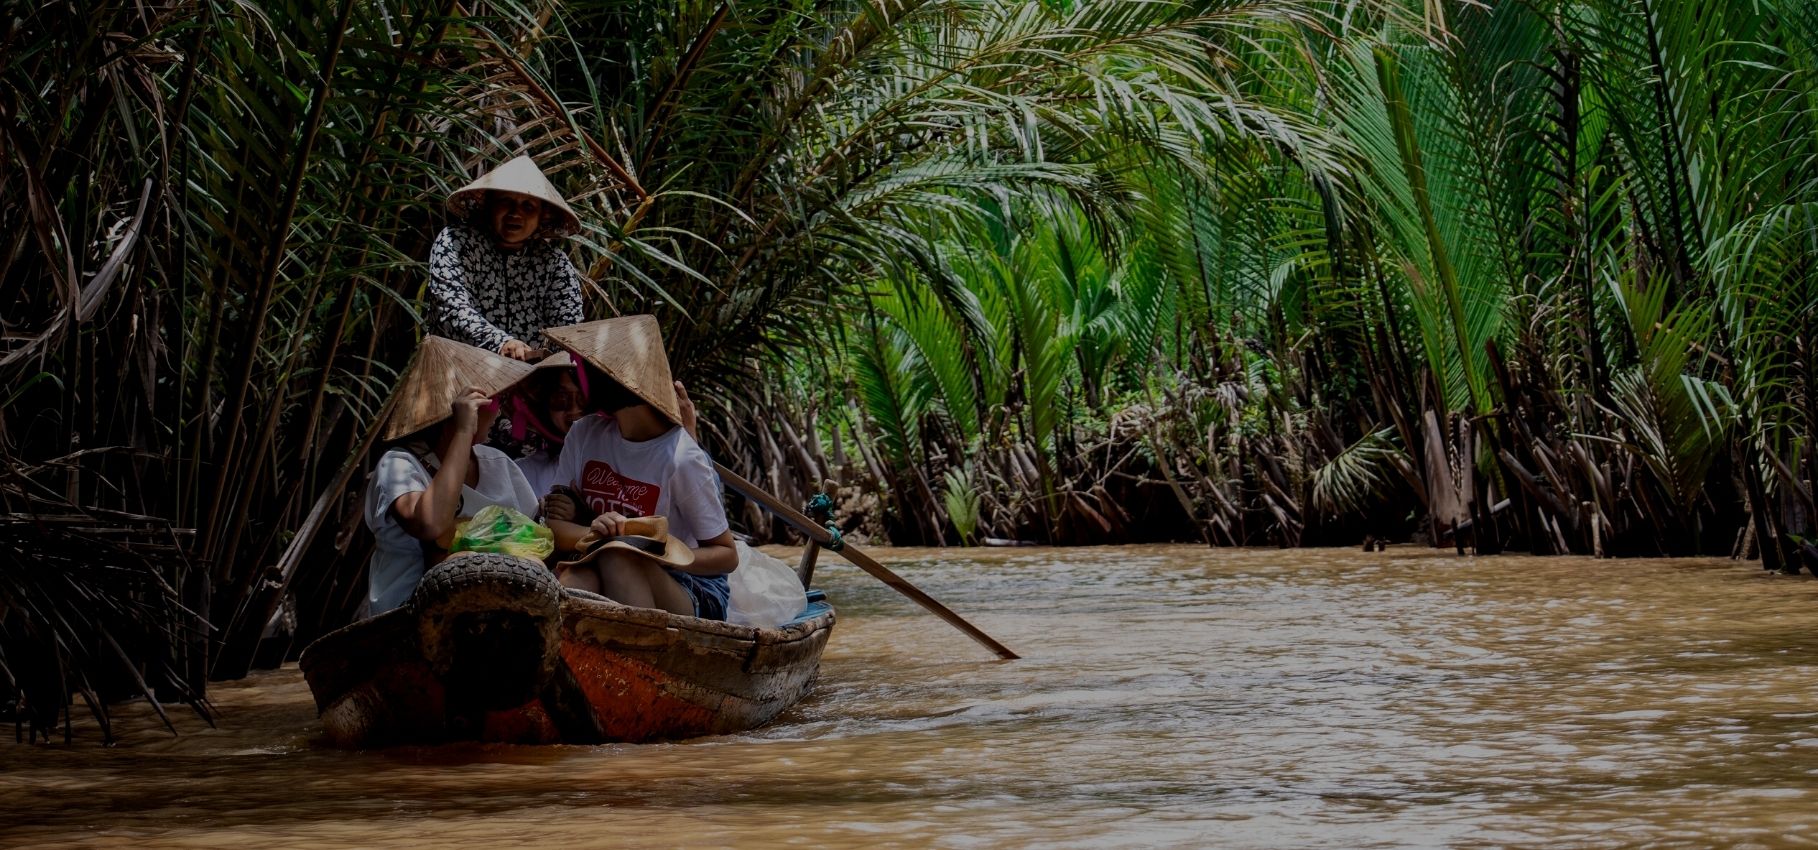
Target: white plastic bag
[(765, 591)]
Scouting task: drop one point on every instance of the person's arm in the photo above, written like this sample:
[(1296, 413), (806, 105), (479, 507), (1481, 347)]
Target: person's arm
[(691, 421), (604, 527), (716, 556), (451, 300), (430, 514), (567, 534), (558, 506)]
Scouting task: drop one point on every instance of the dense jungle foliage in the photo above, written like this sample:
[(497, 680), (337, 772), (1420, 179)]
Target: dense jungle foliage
[(1531, 275)]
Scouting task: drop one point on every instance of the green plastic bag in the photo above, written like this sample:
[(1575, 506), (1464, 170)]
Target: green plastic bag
[(496, 528)]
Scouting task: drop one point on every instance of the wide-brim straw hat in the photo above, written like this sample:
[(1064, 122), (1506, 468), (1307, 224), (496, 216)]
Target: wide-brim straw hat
[(520, 176), (644, 537), (439, 372), (629, 349)]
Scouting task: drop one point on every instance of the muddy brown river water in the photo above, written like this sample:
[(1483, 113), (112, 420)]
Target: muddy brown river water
[(1169, 697)]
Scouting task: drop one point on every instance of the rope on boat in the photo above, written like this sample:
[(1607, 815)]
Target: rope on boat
[(821, 507)]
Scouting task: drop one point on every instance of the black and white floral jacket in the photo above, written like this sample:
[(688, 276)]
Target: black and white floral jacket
[(483, 296)]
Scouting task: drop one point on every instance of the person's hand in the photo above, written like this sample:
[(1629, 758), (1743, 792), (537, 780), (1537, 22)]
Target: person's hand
[(467, 410), (519, 350), (557, 506), (690, 421), (608, 525)]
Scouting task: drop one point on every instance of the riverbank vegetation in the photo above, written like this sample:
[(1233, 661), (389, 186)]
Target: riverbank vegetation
[(1529, 276), (1546, 286)]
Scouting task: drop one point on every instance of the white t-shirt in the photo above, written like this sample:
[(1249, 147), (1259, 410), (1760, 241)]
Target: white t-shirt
[(397, 562), (539, 469), (669, 476)]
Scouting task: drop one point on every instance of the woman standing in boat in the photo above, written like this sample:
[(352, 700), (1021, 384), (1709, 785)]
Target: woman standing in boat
[(499, 276), (437, 468), (640, 463)]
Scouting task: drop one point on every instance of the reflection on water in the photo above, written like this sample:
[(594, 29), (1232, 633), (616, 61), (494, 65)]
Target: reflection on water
[(1170, 696)]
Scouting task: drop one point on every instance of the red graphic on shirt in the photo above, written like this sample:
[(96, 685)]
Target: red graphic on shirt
[(606, 490)]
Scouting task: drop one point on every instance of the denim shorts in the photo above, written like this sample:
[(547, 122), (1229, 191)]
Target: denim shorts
[(711, 594)]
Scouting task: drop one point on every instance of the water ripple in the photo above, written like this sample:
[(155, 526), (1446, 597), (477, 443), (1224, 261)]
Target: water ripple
[(1170, 697)]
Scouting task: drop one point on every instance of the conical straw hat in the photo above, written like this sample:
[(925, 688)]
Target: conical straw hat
[(558, 360), (440, 371), (520, 176), (629, 349)]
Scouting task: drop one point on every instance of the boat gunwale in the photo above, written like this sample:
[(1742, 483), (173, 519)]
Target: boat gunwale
[(599, 609)]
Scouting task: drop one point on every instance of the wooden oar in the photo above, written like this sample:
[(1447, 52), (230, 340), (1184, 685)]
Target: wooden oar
[(859, 559)]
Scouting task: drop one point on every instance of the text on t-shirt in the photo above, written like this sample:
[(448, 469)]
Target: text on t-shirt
[(606, 490)]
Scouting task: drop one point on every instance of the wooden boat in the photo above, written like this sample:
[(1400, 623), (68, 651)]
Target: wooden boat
[(491, 648)]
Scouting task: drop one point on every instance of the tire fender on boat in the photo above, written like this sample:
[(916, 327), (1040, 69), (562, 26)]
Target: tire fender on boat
[(489, 625)]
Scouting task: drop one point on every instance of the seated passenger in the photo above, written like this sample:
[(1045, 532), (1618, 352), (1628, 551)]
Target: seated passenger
[(436, 469), (639, 463), (545, 406)]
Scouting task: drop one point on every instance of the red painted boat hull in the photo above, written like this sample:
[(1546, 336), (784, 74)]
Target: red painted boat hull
[(624, 674)]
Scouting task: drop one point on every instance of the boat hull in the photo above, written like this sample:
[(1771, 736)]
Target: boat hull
[(618, 674)]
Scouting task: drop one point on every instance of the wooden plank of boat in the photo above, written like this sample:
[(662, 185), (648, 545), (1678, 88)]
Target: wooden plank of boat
[(464, 660), (649, 674)]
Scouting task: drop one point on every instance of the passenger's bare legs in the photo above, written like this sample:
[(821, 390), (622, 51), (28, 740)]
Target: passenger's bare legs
[(630, 580), (583, 577), (665, 592), (622, 580)]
